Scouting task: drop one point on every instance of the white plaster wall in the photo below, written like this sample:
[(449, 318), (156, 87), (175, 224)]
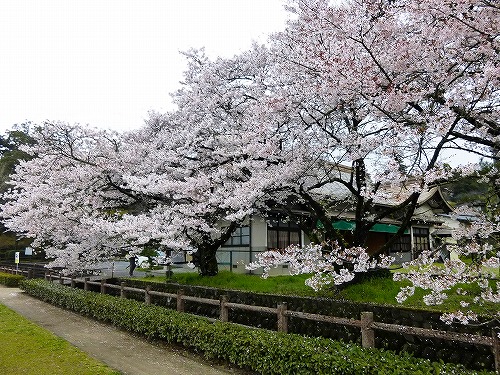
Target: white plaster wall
[(244, 255), (258, 233)]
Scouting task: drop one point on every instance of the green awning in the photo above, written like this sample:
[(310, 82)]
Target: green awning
[(349, 225), (386, 228), (344, 225)]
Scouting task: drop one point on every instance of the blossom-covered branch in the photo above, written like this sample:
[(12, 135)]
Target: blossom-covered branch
[(335, 266)]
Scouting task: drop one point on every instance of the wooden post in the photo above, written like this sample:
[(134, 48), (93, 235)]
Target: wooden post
[(367, 333), (86, 283), (496, 349), (180, 301), (103, 286), (61, 280), (46, 276), (73, 282), (30, 273), (147, 296), (224, 311), (282, 318), (123, 294)]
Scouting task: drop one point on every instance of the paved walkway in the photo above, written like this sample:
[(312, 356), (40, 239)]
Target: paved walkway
[(118, 349)]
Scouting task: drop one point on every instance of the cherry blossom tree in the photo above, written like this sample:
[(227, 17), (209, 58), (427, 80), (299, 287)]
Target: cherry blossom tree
[(217, 155), (89, 195), (388, 87), (57, 194), (185, 180), (382, 87)]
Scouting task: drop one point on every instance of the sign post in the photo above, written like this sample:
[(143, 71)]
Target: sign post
[(16, 260)]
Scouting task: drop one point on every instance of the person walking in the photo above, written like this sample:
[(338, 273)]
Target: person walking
[(132, 264)]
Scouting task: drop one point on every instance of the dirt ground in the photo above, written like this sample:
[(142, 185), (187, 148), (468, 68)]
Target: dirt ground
[(118, 349)]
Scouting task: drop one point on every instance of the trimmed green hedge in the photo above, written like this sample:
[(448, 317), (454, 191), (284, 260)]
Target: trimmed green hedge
[(263, 351), (10, 280)]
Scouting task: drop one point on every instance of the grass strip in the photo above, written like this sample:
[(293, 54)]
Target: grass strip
[(379, 290), (29, 349)]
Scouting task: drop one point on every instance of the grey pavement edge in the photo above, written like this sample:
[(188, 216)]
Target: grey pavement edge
[(120, 350)]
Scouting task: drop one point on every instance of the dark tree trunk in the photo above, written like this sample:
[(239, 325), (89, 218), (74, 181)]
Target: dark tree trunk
[(207, 260), (206, 256)]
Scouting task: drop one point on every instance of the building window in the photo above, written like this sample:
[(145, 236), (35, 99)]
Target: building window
[(421, 239), (240, 237), (402, 245), (281, 234)]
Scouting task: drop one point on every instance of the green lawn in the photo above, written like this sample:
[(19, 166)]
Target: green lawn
[(230, 280), (377, 290), (26, 348), (384, 291)]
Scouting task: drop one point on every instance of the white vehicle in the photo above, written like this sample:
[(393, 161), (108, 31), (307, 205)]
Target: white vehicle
[(142, 261)]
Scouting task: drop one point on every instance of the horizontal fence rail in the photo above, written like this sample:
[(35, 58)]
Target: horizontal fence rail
[(431, 333), (13, 271), (366, 324)]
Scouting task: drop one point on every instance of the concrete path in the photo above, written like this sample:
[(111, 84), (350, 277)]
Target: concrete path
[(118, 349)]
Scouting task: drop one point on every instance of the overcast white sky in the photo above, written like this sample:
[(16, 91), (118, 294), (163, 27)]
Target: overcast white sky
[(107, 62)]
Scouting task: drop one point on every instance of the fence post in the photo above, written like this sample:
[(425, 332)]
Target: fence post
[(180, 301), (61, 281), (147, 296), (86, 283), (73, 282), (367, 333), (224, 311), (103, 286), (496, 349), (122, 290), (30, 273), (282, 318)]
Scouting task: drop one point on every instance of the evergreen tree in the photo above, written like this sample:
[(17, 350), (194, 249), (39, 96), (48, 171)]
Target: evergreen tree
[(11, 153)]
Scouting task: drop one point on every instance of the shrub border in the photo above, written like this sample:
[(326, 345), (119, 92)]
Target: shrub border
[(10, 280), (260, 350)]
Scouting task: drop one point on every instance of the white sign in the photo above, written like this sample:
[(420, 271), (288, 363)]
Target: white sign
[(16, 257), (28, 251)]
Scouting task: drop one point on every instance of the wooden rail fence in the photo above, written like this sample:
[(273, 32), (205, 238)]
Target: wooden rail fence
[(366, 323), (28, 273)]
